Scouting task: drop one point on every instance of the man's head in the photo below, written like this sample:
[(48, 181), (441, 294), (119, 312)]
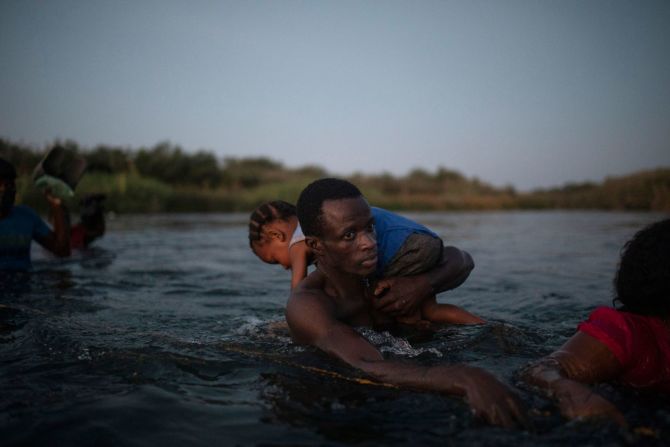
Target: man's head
[(7, 187), (310, 202), (338, 226), (642, 281)]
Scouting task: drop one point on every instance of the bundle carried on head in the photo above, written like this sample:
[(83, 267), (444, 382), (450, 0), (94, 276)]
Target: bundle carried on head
[(60, 170)]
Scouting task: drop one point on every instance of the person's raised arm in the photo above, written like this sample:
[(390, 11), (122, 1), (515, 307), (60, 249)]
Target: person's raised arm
[(310, 321), (58, 240), (565, 374), (403, 295)]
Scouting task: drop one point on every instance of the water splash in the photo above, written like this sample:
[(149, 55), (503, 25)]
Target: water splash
[(273, 330), (388, 343)]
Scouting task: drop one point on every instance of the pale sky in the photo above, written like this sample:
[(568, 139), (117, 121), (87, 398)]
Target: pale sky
[(530, 93)]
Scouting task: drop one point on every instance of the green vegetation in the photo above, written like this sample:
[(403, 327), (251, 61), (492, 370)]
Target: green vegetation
[(165, 178)]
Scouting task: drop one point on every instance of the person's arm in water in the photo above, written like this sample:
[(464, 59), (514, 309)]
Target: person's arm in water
[(447, 313), (58, 240), (404, 295), (299, 254), (309, 314), (565, 374)]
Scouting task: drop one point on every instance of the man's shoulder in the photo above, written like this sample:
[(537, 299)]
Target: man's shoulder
[(308, 310), (312, 287), (22, 215), (25, 212), (22, 209), (310, 293)]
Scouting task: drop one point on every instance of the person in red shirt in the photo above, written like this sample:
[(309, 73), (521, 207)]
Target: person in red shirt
[(629, 345), (92, 222)]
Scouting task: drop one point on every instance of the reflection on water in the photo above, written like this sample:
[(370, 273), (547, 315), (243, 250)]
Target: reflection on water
[(170, 331)]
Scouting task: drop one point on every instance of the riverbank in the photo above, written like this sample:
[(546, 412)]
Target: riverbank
[(167, 179)]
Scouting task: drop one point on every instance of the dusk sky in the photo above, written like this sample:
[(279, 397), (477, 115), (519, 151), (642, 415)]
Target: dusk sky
[(529, 93)]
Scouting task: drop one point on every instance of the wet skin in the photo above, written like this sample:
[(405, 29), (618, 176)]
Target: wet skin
[(323, 308), (349, 243), (349, 240), (273, 251)]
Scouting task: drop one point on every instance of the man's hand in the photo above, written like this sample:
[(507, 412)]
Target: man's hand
[(493, 401), (401, 295), (52, 199), (404, 295), (310, 315)]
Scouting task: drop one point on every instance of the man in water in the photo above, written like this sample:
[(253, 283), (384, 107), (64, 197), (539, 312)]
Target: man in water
[(322, 311), (19, 225)]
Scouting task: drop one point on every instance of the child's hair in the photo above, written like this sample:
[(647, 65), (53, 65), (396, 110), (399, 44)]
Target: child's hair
[(266, 213), (642, 281)]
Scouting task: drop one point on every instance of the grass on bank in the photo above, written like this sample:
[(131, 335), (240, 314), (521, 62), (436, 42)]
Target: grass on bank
[(132, 193)]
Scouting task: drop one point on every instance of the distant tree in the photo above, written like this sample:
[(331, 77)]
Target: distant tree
[(420, 181), (202, 169), (447, 175), (310, 171), (24, 158), (388, 184), (108, 159), (251, 172)]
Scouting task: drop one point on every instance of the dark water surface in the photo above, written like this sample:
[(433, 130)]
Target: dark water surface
[(162, 334)]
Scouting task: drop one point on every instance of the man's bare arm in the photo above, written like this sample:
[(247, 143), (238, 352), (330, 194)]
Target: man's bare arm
[(311, 322), (58, 241), (403, 295)]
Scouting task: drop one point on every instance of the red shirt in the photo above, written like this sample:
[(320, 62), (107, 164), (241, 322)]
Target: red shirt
[(640, 343), (77, 236)]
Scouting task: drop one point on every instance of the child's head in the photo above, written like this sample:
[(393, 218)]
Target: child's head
[(92, 210), (268, 231), (643, 279)]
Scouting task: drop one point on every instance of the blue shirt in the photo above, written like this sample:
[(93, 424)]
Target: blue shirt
[(392, 230), (17, 230)]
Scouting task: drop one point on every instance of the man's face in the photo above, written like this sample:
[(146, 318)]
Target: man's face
[(348, 242)]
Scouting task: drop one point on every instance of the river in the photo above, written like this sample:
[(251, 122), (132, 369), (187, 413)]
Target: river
[(163, 333)]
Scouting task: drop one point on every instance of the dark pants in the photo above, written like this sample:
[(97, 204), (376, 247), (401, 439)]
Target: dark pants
[(418, 254)]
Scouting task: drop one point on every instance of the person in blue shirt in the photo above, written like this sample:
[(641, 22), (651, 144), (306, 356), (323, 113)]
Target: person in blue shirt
[(20, 225), (404, 248), (326, 307)]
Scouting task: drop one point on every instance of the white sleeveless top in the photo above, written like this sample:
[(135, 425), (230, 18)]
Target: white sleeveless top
[(297, 236)]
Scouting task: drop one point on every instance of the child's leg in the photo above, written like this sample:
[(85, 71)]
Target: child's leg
[(447, 313), (413, 318), (418, 254)]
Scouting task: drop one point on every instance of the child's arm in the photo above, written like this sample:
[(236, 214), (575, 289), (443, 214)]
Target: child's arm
[(299, 254), (447, 313)]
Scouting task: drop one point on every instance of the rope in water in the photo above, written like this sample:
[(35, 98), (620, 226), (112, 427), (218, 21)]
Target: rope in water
[(313, 369)]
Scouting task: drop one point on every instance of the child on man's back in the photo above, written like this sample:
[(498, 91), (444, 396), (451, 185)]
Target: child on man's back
[(404, 248), (275, 237)]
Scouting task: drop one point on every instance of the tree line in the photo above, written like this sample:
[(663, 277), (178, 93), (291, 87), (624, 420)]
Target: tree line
[(166, 178)]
